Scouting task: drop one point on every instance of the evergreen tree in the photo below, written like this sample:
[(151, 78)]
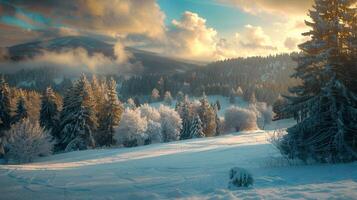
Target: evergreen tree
[(155, 95), (180, 96), (21, 110), (218, 105), (49, 112), (232, 97), (207, 116), (168, 98), (196, 130), (326, 108), (5, 117), (185, 111), (78, 119), (112, 112)]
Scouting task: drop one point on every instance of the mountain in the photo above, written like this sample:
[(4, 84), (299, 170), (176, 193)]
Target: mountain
[(152, 63)]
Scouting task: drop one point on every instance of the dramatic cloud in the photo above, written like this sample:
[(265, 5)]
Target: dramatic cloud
[(115, 18), (286, 7), (190, 37), (78, 60), (255, 38)]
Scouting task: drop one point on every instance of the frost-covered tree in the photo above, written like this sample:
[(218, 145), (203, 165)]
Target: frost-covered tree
[(21, 110), (171, 124), (185, 111), (130, 104), (239, 92), (150, 113), (240, 119), (49, 112), (325, 104), (5, 112), (180, 96), (110, 117), (154, 132), (168, 98), (155, 95), (132, 129), (27, 141), (207, 116), (196, 130), (78, 118)]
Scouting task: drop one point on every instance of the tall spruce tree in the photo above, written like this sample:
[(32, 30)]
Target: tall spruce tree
[(184, 108), (78, 118), (5, 117), (325, 103), (207, 115), (49, 112), (196, 130), (112, 112), (21, 110)]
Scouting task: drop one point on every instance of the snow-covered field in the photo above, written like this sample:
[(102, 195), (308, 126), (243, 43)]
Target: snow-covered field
[(191, 169)]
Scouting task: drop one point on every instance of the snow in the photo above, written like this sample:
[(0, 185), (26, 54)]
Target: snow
[(190, 169)]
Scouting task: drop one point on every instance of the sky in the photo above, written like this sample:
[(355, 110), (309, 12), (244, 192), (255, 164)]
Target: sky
[(202, 30)]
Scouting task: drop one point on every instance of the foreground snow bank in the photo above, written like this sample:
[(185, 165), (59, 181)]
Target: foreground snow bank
[(190, 169)]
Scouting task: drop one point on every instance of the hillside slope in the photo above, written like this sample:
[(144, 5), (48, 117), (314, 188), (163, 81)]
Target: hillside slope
[(191, 169)]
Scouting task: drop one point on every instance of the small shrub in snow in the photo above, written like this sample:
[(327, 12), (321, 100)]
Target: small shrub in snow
[(171, 124), (27, 141), (239, 177), (240, 119), (131, 129)]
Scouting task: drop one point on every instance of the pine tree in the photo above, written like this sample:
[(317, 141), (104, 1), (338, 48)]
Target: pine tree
[(5, 117), (21, 110), (78, 119), (185, 111), (207, 116), (180, 96), (196, 130), (168, 98), (155, 95), (49, 112), (112, 112), (326, 108), (232, 97)]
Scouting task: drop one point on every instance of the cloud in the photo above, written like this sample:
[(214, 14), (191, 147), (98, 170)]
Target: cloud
[(285, 7), (190, 37), (291, 43), (115, 18), (78, 60), (255, 38)]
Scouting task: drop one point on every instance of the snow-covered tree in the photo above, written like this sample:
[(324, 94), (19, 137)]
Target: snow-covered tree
[(130, 104), (155, 95), (168, 98), (132, 129), (27, 141), (110, 117), (239, 92), (180, 96), (49, 112), (5, 105), (21, 110), (240, 119), (78, 118), (154, 132), (171, 124), (185, 111), (324, 104), (196, 130), (149, 113), (208, 117)]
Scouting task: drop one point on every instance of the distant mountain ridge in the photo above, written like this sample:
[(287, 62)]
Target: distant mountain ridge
[(152, 62)]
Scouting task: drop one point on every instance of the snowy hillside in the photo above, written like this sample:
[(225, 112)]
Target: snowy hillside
[(190, 169)]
